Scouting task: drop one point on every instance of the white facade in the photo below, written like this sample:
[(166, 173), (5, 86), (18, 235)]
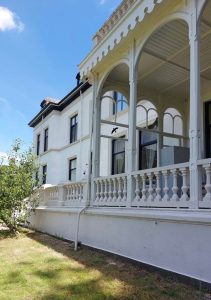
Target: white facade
[(157, 207)]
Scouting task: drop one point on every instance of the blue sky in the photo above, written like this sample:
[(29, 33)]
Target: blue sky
[(42, 42)]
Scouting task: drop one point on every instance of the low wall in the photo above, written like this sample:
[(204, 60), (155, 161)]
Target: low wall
[(178, 241)]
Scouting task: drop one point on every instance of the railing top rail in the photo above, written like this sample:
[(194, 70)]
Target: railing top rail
[(164, 168), (204, 161), (110, 177), (73, 183)]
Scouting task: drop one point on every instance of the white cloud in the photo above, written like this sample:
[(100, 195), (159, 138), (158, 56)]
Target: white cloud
[(9, 20)]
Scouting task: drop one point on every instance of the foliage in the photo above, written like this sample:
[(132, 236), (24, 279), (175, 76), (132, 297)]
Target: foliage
[(17, 185)]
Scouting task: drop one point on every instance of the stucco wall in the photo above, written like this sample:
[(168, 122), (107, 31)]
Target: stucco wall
[(175, 241)]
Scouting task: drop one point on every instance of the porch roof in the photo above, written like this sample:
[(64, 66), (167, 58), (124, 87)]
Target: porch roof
[(122, 21)]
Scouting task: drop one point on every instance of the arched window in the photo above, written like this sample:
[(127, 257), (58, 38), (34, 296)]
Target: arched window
[(147, 119), (172, 123), (120, 102)]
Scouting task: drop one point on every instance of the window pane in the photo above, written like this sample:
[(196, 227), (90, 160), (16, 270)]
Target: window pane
[(73, 163), (119, 146), (149, 156), (119, 163), (147, 137), (73, 175)]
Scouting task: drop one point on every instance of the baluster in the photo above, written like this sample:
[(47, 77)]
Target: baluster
[(72, 193), (175, 187), (124, 189), (101, 191), (110, 190), (119, 180), (184, 188), (151, 190), (144, 197), (158, 188), (79, 193), (82, 192), (207, 168), (166, 197), (137, 190), (114, 190), (97, 191), (105, 191)]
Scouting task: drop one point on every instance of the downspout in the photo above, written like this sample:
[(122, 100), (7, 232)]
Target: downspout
[(88, 194)]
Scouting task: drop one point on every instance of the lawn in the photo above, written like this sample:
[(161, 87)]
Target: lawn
[(38, 266)]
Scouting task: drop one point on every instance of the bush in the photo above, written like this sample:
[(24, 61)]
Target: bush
[(17, 186)]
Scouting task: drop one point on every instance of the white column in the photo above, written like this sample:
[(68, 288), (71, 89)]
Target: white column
[(96, 138), (195, 110), (94, 160), (131, 154), (160, 136)]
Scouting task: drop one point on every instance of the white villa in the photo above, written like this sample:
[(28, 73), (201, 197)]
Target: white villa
[(125, 157)]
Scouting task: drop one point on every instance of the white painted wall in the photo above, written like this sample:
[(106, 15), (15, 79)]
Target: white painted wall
[(60, 151), (174, 240)]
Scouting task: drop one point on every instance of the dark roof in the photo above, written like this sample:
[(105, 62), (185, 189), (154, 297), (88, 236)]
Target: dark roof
[(50, 106)]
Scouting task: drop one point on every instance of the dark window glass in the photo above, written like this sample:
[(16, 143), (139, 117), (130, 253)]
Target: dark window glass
[(38, 144), (147, 149), (120, 102), (44, 174), (36, 178), (118, 156), (46, 140), (72, 169), (208, 129), (73, 128)]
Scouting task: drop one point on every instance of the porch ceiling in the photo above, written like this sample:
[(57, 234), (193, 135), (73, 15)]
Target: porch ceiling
[(164, 65)]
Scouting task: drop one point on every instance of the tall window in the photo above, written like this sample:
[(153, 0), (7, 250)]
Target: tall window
[(73, 128), (72, 169), (46, 140), (38, 144), (118, 156), (208, 129), (44, 174), (148, 149), (120, 102)]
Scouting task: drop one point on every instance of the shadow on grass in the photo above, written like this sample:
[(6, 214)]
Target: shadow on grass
[(136, 281), (5, 233)]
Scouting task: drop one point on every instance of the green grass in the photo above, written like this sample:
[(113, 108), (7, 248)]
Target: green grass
[(37, 266)]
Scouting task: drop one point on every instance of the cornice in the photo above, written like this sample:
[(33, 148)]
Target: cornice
[(134, 14)]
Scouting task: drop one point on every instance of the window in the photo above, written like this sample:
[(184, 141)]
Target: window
[(46, 140), (73, 128), (208, 129), (120, 102), (44, 174), (38, 144), (118, 156), (148, 149), (72, 169)]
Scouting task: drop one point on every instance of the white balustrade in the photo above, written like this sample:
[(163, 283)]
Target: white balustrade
[(166, 187), (111, 191), (205, 201), (162, 187), (51, 196), (68, 195)]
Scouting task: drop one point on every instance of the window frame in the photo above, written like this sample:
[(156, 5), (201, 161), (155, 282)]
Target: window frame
[(117, 102), (44, 174), (45, 147), (117, 153), (72, 169), (73, 128), (207, 127), (38, 144), (142, 145)]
